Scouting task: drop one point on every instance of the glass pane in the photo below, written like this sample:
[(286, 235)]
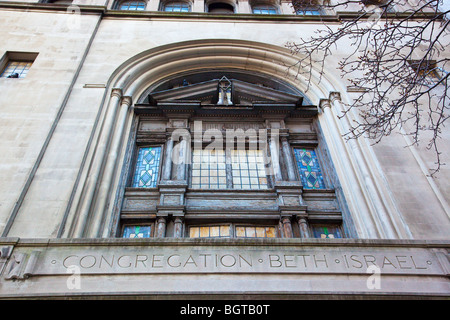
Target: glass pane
[(194, 232), (270, 232), (240, 232), (214, 232), (20, 68), (210, 231), (264, 10), (255, 232), (309, 169), (204, 232), (327, 232), (224, 231), (132, 5), (248, 169), (209, 166), (136, 232), (250, 232), (176, 7), (260, 232), (147, 167), (308, 12)]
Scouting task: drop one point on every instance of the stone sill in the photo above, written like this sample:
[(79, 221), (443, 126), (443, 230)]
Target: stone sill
[(30, 242)]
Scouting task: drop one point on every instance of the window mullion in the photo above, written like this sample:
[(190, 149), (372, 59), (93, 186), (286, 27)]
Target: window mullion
[(228, 168)]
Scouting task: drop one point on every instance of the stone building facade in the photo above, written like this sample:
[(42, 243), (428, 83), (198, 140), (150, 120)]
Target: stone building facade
[(165, 149)]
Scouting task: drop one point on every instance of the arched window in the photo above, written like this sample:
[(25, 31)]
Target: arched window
[(165, 170), (264, 9), (131, 5), (220, 8), (177, 7)]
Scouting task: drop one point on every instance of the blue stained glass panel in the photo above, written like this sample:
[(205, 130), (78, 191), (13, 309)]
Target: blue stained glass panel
[(136, 231), (147, 167), (309, 169), (326, 232)]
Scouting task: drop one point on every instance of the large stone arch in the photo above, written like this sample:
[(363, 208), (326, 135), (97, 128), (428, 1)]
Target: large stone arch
[(91, 215), (147, 68)]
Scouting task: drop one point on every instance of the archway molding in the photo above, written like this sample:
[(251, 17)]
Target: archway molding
[(91, 214)]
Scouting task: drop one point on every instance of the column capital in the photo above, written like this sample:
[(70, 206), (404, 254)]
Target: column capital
[(178, 230), (161, 219), (286, 218), (160, 227), (324, 103), (302, 218), (116, 92), (178, 219), (303, 226), (126, 100), (335, 96), (287, 226)]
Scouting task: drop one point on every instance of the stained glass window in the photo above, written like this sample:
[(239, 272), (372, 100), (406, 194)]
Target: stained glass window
[(147, 167), (248, 169), (255, 232), (16, 69), (132, 5), (308, 166), (324, 232), (222, 231), (177, 7), (208, 169), (136, 231)]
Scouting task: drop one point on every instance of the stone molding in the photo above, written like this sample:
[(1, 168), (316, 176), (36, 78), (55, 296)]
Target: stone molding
[(319, 266)]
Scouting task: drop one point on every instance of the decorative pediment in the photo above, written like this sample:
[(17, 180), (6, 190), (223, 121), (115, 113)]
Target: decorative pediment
[(224, 92)]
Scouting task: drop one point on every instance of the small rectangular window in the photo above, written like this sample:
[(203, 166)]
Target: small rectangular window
[(224, 231), (16, 64), (141, 231), (255, 232), (326, 231), (264, 10), (147, 167), (309, 168), (212, 231), (132, 5), (307, 12), (425, 70), (177, 7)]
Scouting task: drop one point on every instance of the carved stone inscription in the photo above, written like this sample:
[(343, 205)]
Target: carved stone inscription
[(141, 260)]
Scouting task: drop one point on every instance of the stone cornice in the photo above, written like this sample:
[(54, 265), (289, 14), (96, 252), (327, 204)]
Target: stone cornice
[(345, 242), (85, 9)]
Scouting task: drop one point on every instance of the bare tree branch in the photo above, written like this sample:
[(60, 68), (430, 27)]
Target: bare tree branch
[(397, 61)]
